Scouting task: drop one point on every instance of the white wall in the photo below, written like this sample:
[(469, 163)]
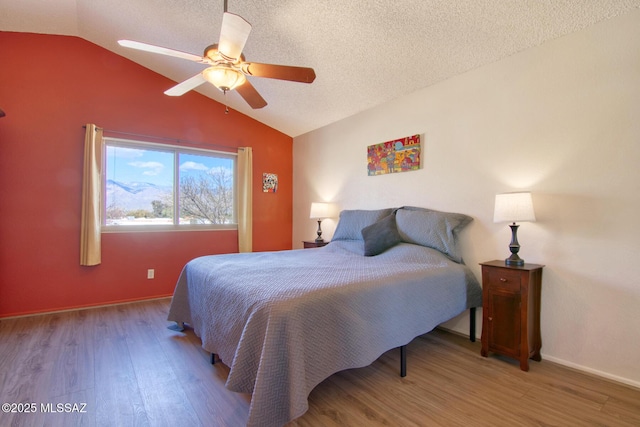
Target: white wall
[(561, 120)]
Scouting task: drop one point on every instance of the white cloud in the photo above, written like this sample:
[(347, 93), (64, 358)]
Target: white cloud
[(193, 166), (151, 168)]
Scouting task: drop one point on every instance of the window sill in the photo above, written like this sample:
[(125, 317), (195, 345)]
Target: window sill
[(165, 228)]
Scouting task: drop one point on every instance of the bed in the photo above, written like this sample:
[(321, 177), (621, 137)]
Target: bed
[(284, 321)]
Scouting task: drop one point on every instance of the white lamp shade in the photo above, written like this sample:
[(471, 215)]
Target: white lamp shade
[(224, 77), (320, 210), (514, 207)]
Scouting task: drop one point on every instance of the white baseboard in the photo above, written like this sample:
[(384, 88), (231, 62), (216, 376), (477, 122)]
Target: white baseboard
[(591, 371), (563, 362)]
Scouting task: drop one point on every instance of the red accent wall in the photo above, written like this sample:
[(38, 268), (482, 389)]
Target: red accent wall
[(50, 86)]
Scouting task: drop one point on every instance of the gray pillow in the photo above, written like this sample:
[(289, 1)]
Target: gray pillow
[(380, 236), (352, 222), (433, 229)]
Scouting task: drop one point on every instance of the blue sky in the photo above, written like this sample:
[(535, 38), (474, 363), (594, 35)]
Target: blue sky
[(134, 165)]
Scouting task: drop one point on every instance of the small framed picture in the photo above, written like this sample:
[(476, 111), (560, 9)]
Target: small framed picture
[(269, 182)]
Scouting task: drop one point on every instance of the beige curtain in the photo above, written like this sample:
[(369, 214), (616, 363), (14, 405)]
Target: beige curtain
[(91, 186), (245, 206)]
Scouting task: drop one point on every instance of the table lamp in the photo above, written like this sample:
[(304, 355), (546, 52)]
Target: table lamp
[(512, 207), (320, 211)]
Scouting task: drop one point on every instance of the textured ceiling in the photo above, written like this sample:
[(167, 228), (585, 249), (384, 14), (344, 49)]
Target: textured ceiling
[(364, 52)]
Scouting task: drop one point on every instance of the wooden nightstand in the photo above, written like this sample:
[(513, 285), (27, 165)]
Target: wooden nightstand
[(511, 311), (313, 244)]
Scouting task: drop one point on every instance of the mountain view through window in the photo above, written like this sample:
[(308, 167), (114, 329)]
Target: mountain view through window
[(152, 185)]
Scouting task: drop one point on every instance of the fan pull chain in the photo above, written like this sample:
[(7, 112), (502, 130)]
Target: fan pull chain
[(226, 107)]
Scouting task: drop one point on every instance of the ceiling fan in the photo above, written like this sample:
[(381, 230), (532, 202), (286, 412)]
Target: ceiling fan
[(227, 68)]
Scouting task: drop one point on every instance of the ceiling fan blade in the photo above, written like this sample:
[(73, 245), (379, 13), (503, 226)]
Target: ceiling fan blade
[(233, 36), (161, 50), (280, 72), (186, 86), (251, 95)]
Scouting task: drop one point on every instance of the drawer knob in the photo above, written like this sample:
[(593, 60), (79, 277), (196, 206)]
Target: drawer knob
[(502, 279), (490, 319)]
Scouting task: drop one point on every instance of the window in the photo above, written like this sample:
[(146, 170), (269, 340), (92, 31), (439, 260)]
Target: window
[(158, 187)]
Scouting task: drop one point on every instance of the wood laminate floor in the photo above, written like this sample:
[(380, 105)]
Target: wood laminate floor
[(121, 366)]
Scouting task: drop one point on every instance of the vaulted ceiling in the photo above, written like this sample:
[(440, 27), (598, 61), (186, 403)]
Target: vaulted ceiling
[(364, 52)]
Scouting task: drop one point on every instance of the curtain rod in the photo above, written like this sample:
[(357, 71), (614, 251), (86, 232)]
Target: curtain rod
[(164, 138)]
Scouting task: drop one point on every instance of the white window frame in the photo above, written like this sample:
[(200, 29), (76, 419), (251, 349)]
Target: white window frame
[(176, 150)]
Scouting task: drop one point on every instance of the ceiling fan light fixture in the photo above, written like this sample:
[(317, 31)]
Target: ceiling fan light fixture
[(224, 77)]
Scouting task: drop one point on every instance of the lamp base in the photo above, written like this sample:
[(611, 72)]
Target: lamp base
[(319, 239), (514, 247), (514, 260)]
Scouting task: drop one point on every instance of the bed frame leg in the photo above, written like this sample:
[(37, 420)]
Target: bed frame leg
[(403, 361), (213, 358), (472, 324), (179, 327)]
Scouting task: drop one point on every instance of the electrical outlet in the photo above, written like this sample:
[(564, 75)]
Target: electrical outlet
[(151, 273)]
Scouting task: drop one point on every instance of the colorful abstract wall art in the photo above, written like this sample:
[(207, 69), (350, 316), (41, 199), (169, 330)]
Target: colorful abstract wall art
[(398, 155), (269, 182)]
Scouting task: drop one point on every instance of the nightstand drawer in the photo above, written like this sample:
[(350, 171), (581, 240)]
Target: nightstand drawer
[(505, 279)]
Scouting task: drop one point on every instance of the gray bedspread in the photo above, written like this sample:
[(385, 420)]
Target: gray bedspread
[(285, 321)]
